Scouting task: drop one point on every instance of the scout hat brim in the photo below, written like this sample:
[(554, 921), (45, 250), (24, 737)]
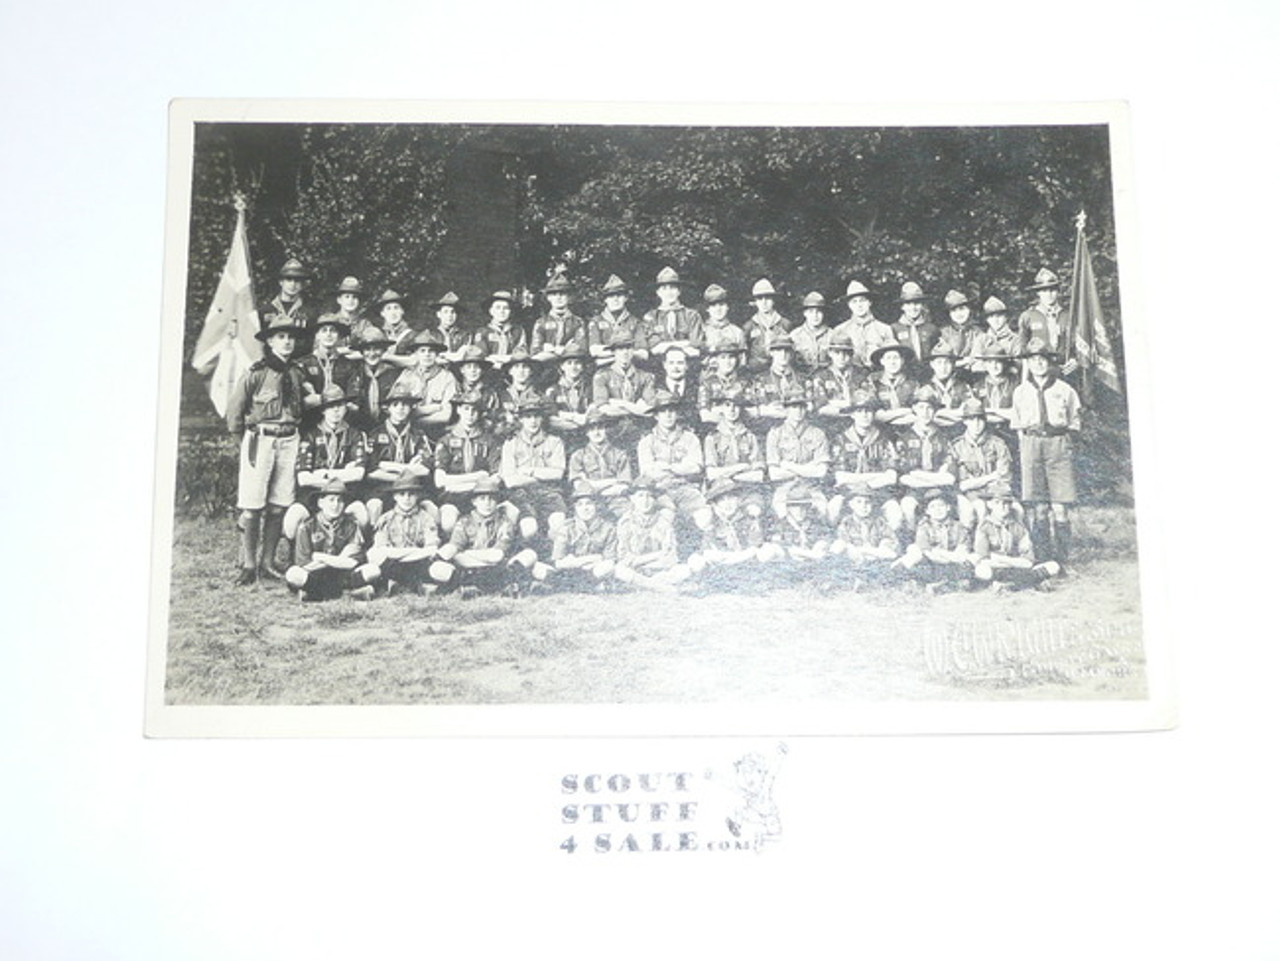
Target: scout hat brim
[(407, 482), (879, 352), (267, 332), (495, 297), (334, 402), (333, 320)]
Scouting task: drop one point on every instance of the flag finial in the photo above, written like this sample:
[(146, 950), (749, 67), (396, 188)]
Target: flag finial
[(240, 203), (1080, 220)]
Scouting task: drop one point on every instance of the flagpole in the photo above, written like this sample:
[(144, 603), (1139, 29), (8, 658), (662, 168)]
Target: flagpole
[(1079, 324)]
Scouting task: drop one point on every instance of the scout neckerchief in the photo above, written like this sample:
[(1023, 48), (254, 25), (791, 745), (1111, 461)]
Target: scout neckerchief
[(572, 394), (486, 529), (468, 437), (375, 391), (669, 317), (325, 360), (628, 376), (400, 441), (334, 442), (945, 389), (863, 443), (504, 337), (1006, 539), (731, 532), (1050, 313), (926, 436), (560, 320), (1040, 392), (288, 389), (892, 384), (329, 532), (802, 527), (913, 328)]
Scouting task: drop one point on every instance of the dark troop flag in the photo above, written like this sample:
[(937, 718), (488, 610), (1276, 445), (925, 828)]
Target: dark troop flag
[(1087, 331)]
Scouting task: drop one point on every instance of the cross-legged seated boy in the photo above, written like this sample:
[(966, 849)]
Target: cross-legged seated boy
[(481, 552), (925, 451), (406, 540), (396, 447), (736, 534), (327, 549), (533, 467), (584, 548), (647, 555), (1002, 550), (864, 536), (940, 553), (980, 461), (803, 531), (601, 465), (466, 455), (867, 453), (332, 450)]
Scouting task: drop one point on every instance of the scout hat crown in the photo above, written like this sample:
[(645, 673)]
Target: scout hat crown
[(911, 292), (622, 338), (428, 338), (926, 395), (999, 491), (293, 268), (472, 398), (943, 349), (407, 482), (903, 351), (856, 289), (334, 486), (800, 494), (972, 407), (1036, 347), (448, 300), (389, 296), (332, 396), (333, 320), (782, 342), (724, 347), (721, 487), (277, 324), (498, 295), (841, 341), (614, 285), (595, 416), (530, 406), (935, 494), (350, 285), (795, 397), (862, 400), (574, 351), (814, 299), (486, 485), (372, 337), (954, 299), (558, 284), (645, 482), (471, 354), (1046, 279), (402, 394), (665, 400), (667, 275), (582, 490), (763, 288), (994, 305), (731, 395), (519, 356), (715, 294), (860, 489)]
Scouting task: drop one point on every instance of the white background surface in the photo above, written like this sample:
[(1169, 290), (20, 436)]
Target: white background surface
[(1111, 846)]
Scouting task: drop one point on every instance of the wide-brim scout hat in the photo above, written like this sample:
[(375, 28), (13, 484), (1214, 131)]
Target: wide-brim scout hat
[(583, 491), (667, 275), (782, 342), (954, 299), (903, 351), (428, 338), (861, 400), (497, 295), (972, 407), (531, 408), (926, 395), (764, 288), (943, 349), (732, 395), (814, 299), (333, 320), (400, 394), (371, 337), (1008, 360), (999, 491), (470, 354), (720, 488), (800, 494), (841, 341), (595, 416), (574, 351), (795, 397), (350, 285), (860, 489), (645, 482), (614, 285), (332, 396), (715, 294), (937, 493), (1046, 279), (471, 398), (293, 269), (856, 289), (519, 356), (911, 293), (994, 305), (389, 296), (486, 485), (277, 324), (407, 482), (558, 284), (448, 300), (1036, 347), (622, 338), (725, 347), (665, 400), (334, 486)]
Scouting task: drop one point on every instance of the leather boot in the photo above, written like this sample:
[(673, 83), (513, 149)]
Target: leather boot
[(272, 526), (1041, 538), (1062, 542), (249, 521)]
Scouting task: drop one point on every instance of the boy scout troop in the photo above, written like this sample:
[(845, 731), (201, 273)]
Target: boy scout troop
[(600, 449)]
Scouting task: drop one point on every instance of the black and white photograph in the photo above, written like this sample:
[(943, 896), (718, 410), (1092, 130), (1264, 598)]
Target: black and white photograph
[(728, 416)]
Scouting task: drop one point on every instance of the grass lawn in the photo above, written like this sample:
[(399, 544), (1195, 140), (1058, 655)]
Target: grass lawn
[(797, 642)]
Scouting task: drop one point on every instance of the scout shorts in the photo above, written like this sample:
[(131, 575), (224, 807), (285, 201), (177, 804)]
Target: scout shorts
[(1047, 471), (271, 476)]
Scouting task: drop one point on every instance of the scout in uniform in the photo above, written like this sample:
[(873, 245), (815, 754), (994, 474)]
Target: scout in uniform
[(398, 333), (532, 467), (925, 451), (470, 369), (723, 377), (914, 330), (432, 381), (802, 532), (481, 551), (671, 323), (892, 388), (348, 296), (289, 302), (624, 392), (1045, 321), (719, 332), (559, 328), (780, 380), (500, 338), (519, 389), (570, 396), (396, 447), (601, 466), (332, 450), (447, 329), (266, 408), (813, 337), (1046, 415), (614, 319), (864, 537), (465, 455), (995, 388), (406, 541), (980, 461), (867, 454), (646, 543), (327, 550), (671, 456), (324, 366), (950, 390), (731, 451), (764, 326), (583, 549), (867, 334), (1003, 554), (372, 378), (735, 535), (999, 339), (959, 333), (833, 386), (940, 552), (797, 453)]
